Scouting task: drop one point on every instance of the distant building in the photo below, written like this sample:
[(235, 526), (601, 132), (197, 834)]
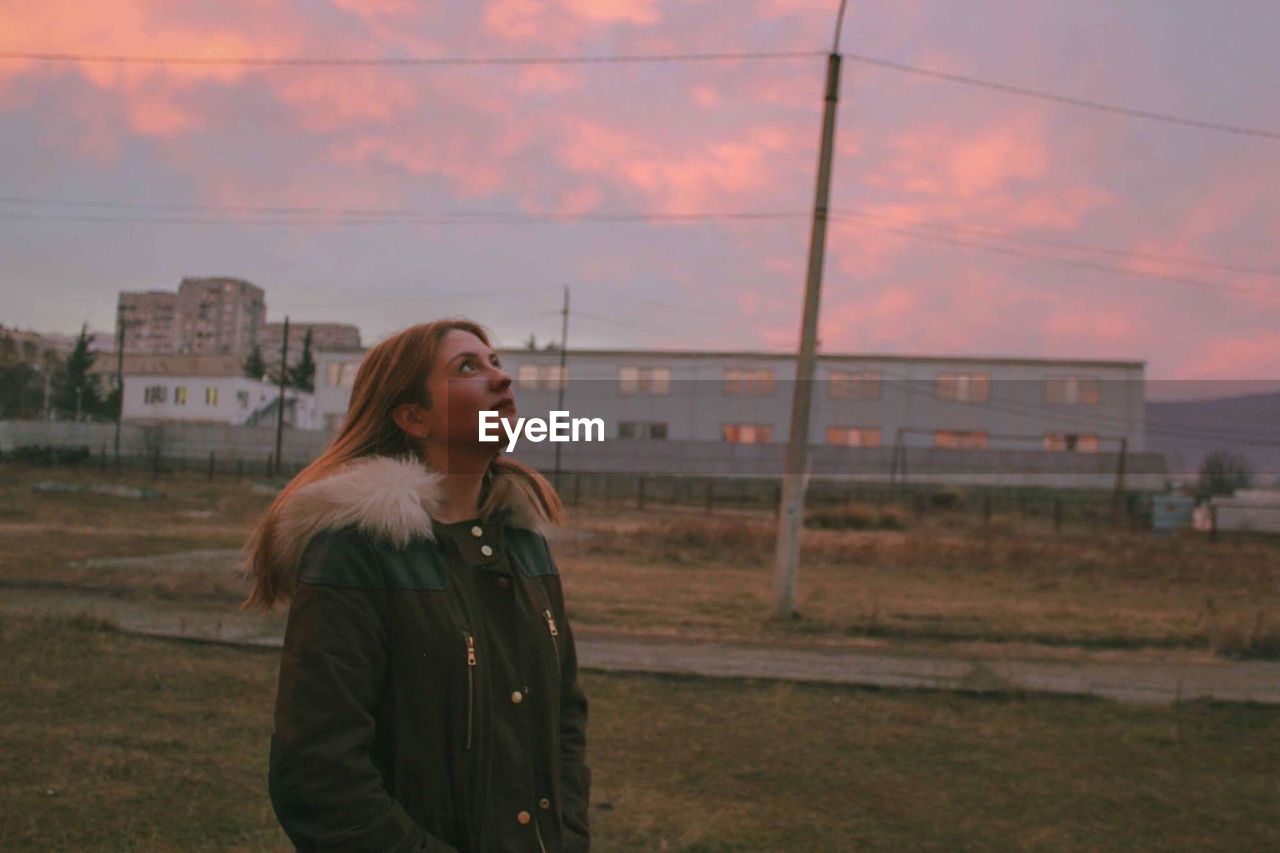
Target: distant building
[(220, 315), (324, 336), (150, 321)]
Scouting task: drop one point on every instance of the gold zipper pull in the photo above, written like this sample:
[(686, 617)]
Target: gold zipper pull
[(551, 622), (471, 651)]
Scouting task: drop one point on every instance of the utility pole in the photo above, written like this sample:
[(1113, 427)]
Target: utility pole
[(284, 372), (564, 352), (119, 377), (795, 473)]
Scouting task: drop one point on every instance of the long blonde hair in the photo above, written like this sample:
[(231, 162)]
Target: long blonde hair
[(394, 371)]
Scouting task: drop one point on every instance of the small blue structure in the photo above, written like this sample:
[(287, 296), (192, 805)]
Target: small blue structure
[(1171, 512)]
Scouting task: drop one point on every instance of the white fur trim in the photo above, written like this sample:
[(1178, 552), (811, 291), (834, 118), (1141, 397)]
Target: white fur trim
[(392, 499)]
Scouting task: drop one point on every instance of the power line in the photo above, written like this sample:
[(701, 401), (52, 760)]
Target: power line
[(411, 61), (649, 58), (341, 219), (1073, 262), (410, 216), (405, 218), (1068, 100), (1070, 245)]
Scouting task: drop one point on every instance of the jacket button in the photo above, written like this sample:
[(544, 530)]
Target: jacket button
[(524, 817), (477, 531), (517, 697), (486, 550), (544, 803)]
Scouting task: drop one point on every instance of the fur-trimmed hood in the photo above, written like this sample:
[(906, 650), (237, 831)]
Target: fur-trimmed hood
[(392, 499)]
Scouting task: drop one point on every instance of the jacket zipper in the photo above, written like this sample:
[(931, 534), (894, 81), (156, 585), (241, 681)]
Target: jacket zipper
[(471, 687), (538, 833), (551, 624)]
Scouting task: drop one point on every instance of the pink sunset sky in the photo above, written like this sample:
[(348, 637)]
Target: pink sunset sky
[(1032, 228)]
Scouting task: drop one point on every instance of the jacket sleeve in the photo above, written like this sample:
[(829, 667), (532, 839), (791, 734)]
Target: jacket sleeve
[(326, 791), (575, 783)]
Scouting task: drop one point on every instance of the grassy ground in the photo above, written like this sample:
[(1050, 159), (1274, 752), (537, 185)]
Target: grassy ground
[(947, 578), (115, 742)]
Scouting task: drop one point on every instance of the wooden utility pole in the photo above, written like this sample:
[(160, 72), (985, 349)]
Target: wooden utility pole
[(561, 380), (119, 377), (794, 478), (284, 372)]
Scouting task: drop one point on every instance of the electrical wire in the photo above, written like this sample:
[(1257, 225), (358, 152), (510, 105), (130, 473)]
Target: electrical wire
[(1067, 100), (410, 61)]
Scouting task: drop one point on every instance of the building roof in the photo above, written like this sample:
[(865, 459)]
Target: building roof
[(780, 356)]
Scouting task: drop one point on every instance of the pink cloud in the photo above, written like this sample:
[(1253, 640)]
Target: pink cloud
[(1245, 356), (714, 177)]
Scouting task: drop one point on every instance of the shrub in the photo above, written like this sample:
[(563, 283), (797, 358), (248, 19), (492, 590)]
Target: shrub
[(854, 518), (44, 454)]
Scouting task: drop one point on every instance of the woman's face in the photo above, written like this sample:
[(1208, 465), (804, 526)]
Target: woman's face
[(466, 379)]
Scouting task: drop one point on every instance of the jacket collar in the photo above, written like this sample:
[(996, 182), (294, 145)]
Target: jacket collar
[(392, 499)]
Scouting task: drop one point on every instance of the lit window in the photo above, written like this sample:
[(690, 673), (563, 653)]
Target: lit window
[(180, 395), (155, 394), (1083, 390), (853, 436), (1068, 442), (541, 376), (211, 396), (647, 380), (963, 387), (738, 381), (748, 433), (858, 385), (642, 430), (961, 439)]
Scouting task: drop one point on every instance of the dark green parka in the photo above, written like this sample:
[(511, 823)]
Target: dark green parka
[(428, 696)]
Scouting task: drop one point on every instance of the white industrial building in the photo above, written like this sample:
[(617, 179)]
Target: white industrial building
[(1010, 420)]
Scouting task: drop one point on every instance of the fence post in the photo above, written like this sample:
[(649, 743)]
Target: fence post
[(1213, 522), (986, 508), (102, 459), (1057, 514), (211, 464), (239, 467), (271, 459), (640, 493), (711, 486)]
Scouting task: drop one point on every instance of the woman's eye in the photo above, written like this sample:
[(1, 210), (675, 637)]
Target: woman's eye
[(466, 364)]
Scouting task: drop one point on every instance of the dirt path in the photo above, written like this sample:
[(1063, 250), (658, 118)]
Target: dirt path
[(1143, 681)]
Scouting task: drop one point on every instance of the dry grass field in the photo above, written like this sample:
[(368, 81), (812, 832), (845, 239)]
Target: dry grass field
[(944, 579), (118, 742)]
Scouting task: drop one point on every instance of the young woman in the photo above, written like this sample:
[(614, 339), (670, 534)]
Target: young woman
[(428, 696)]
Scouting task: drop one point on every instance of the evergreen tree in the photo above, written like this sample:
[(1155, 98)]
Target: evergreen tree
[(303, 374), (75, 390), (1222, 473), (254, 366), (21, 384)]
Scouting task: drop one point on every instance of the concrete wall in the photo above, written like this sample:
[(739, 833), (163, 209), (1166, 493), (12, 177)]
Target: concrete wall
[(190, 442)]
